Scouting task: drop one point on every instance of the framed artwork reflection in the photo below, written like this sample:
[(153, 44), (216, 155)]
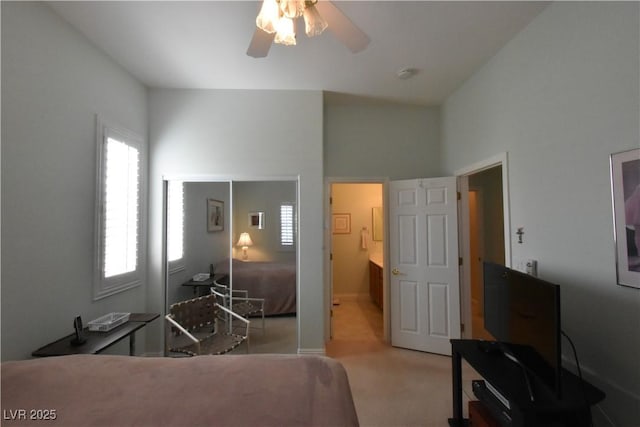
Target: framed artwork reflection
[(256, 220), (625, 190), (215, 215)]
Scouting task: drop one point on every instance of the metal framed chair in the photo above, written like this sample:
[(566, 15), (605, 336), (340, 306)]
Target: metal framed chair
[(239, 301), (196, 327)]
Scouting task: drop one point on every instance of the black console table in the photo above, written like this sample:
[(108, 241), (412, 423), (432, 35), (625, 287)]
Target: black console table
[(99, 341), (508, 379)]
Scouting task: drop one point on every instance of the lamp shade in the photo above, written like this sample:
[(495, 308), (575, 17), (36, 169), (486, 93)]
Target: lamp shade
[(314, 23), (285, 32), (244, 240), (269, 15), (292, 8)]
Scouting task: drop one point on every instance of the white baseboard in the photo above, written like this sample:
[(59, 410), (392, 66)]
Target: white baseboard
[(312, 351), (618, 399), (152, 354)]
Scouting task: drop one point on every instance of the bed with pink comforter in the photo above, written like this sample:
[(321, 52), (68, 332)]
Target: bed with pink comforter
[(243, 390), (273, 281)]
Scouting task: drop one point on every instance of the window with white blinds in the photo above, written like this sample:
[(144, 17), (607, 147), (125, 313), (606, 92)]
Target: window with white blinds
[(119, 222), (175, 232), (122, 174), (287, 225)]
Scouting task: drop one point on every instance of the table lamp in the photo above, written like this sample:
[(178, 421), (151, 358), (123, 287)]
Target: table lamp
[(245, 242)]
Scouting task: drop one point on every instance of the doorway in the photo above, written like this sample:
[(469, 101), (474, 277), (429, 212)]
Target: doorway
[(484, 234), (357, 261), (486, 239)]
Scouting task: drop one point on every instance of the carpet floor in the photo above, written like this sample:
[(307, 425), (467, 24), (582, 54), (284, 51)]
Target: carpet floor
[(391, 387)]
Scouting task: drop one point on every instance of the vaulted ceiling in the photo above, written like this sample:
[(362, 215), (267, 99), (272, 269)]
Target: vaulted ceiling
[(203, 44)]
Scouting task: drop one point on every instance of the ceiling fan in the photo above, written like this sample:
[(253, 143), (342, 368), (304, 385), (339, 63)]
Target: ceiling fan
[(276, 23)]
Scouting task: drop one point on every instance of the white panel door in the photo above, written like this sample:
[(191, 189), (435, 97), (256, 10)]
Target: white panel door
[(424, 280)]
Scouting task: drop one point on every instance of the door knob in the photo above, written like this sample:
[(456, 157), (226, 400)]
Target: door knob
[(395, 271)]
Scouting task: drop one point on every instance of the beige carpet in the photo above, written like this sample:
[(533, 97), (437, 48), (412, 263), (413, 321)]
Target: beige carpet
[(390, 386)]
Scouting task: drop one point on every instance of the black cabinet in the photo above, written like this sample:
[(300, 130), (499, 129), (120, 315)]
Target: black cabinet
[(375, 283), (514, 406)]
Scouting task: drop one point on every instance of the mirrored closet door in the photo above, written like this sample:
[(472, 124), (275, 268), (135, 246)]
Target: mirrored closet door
[(245, 234)]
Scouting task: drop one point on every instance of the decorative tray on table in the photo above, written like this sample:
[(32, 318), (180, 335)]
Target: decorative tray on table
[(108, 322)]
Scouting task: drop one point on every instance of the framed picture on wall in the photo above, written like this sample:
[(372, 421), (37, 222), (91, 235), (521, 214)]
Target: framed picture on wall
[(215, 215), (625, 189), (341, 223), (256, 220)]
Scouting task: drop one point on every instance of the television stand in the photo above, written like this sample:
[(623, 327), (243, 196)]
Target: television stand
[(506, 377)]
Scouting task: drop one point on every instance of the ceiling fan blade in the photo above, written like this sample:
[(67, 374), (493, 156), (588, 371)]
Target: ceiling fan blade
[(260, 43), (346, 31)]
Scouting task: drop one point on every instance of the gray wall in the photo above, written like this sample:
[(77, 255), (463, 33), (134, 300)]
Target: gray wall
[(560, 98), (236, 134), (395, 141), (54, 82)]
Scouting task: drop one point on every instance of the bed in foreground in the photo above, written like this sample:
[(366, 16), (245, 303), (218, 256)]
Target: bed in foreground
[(251, 390)]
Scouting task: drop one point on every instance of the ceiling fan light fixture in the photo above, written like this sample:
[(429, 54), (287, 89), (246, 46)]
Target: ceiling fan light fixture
[(285, 33), (292, 8), (276, 24), (314, 23), (267, 19)]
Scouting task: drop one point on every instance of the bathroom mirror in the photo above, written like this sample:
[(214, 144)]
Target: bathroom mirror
[(377, 223)]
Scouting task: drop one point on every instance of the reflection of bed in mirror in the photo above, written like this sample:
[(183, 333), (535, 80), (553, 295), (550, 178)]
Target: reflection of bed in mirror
[(273, 281)]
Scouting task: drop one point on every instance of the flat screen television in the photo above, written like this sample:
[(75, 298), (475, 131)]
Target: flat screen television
[(522, 312)]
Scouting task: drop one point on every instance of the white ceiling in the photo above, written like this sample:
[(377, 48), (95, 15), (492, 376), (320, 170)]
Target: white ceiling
[(203, 44)]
